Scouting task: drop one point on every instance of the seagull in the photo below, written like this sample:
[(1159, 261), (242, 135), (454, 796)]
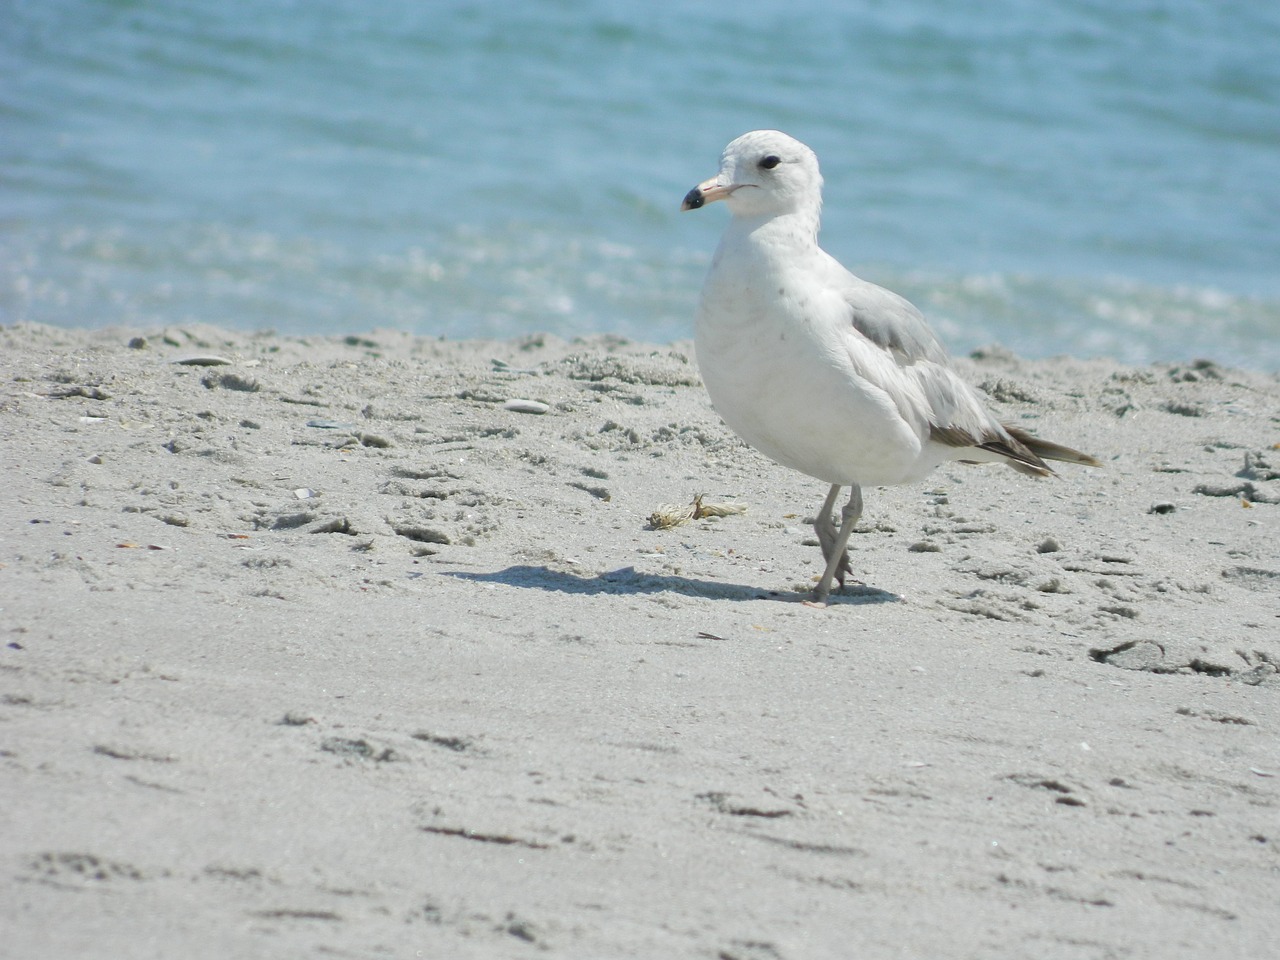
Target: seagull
[(824, 372)]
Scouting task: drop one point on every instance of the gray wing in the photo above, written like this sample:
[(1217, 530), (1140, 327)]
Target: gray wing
[(929, 389), (892, 322), (955, 413)]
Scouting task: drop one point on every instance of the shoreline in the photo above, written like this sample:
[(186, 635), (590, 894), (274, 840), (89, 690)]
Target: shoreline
[(331, 646)]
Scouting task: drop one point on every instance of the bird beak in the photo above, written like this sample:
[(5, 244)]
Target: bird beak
[(709, 191)]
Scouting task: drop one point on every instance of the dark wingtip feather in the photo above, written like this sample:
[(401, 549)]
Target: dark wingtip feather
[(1023, 451), (1048, 450)]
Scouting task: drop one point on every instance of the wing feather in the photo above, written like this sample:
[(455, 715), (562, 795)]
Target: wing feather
[(891, 322), (928, 392)]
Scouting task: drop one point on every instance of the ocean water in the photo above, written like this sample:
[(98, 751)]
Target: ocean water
[(1076, 177)]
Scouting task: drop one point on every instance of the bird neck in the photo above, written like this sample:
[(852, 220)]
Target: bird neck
[(793, 228)]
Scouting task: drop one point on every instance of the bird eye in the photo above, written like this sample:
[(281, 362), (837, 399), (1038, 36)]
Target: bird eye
[(769, 162)]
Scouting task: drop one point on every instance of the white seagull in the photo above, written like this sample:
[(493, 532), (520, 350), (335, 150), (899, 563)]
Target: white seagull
[(822, 371)]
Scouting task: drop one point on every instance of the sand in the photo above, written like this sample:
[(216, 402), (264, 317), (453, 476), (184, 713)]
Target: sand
[(321, 647)]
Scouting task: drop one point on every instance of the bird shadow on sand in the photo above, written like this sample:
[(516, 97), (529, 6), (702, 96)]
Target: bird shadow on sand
[(627, 580)]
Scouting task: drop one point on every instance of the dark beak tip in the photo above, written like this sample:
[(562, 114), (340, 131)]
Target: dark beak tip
[(693, 200)]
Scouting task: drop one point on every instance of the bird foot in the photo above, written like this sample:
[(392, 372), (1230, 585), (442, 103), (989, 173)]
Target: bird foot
[(832, 539)]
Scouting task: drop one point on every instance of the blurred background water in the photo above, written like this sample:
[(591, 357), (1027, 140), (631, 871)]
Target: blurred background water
[(1059, 176)]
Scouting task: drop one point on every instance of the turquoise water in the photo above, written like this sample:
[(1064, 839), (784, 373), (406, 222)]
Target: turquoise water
[(1090, 178)]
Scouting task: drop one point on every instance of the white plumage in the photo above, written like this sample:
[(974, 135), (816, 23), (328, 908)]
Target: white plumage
[(818, 369)]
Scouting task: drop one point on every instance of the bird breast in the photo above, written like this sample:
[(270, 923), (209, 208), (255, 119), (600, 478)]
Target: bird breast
[(755, 327)]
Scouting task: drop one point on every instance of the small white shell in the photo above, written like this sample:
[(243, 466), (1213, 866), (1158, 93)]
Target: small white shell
[(203, 360), (525, 406)]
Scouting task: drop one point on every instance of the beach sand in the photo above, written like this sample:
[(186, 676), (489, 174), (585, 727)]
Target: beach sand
[(319, 647)]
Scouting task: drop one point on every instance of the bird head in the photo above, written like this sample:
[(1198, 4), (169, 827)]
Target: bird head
[(762, 173)]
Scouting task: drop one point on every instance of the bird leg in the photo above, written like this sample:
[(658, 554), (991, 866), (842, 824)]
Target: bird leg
[(834, 543), (824, 525)]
